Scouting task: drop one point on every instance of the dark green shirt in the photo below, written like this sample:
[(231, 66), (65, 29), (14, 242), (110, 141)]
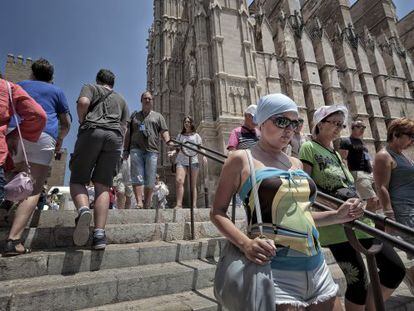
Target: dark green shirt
[(146, 130), (109, 113)]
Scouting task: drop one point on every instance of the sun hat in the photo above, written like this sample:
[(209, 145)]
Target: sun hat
[(273, 104), (325, 111)]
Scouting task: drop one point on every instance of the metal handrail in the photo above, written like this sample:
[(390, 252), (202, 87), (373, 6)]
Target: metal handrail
[(383, 220), (208, 149), (377, 233)]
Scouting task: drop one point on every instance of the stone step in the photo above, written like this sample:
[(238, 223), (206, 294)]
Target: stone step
[(90, 289), (197, 300), (75, 260), (50, 219), (50, 238)]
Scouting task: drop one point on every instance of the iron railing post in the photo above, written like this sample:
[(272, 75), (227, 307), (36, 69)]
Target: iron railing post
[(190, 181)]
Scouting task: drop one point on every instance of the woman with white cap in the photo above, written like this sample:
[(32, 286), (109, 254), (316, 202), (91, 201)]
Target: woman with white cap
[(328, 171), (285, 194)]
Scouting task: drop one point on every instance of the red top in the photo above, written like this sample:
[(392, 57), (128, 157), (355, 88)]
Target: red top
[(33, 117)]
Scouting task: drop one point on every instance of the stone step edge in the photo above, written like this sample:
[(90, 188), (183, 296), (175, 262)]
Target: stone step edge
[(196, 300), (75, 260), (48, 219), (90, 289), (67, 262)]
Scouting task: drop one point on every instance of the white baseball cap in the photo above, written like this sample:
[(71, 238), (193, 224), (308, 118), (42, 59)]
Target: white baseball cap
[(251, 110)]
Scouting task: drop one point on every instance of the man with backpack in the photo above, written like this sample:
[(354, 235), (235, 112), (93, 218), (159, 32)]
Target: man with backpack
[(103, 116)]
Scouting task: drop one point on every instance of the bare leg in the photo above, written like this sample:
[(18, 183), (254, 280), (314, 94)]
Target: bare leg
[(350, 306), (127, 202), (372, 204), (194, 176), (138, 191), (333, 304), (386, 293), (101, 205), (25, 209), (285, 307), (120, 200), (179, 185), (79, 195), (148, 197)]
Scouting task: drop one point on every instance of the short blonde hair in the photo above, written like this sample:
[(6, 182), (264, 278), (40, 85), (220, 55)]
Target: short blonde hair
[(399, 127)]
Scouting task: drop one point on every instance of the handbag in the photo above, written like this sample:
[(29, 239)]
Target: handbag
[(240, 284), (345, 193), (21, 185)]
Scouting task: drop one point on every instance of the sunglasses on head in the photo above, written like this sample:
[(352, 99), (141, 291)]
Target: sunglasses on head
[(283, 122), (336, 123)]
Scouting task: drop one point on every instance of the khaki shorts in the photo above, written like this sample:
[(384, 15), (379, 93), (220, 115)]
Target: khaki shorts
[(121, 186), (364, 184)]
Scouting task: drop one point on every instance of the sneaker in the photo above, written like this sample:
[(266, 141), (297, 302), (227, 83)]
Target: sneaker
[(81, 233), (99, 243)]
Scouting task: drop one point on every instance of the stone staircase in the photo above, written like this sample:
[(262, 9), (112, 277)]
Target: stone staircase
[(150, 264)]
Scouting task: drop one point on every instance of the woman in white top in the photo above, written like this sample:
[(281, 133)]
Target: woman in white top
[(182, 162)]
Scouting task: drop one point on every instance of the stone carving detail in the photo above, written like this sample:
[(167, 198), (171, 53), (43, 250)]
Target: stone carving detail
[(350, 35), (296, 21)]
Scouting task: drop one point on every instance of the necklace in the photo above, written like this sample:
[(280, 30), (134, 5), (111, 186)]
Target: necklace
[(285, 166)]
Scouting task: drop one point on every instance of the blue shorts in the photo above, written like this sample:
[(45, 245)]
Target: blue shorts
[(143, 167)]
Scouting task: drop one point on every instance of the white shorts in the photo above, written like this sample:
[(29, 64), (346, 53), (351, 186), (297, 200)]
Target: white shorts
[(40, 152), (304, 288)]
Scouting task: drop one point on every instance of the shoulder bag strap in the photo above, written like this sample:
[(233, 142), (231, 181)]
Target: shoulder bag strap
[(341, 164), (101, 100), (255, 193), (17, 125)]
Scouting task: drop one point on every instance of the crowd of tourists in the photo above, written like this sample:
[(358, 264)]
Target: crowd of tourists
[(273, 167)]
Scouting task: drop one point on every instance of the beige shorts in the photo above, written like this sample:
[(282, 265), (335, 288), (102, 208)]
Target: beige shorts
[(40, 152), (364, 184), (121, 186)]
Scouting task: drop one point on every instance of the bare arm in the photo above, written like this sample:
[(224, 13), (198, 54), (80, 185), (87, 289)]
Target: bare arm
[(82, 108), (166, 137), (350, 210), (383, 165), (64, 127), (344, 155), (307, 168)]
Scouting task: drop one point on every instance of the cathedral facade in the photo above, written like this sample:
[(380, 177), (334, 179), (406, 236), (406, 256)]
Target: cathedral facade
[(212, 58)]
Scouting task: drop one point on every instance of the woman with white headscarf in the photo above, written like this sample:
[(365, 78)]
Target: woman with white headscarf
[(331, 176), (285, 194)]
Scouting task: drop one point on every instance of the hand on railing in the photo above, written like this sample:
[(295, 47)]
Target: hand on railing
[(351, 209)]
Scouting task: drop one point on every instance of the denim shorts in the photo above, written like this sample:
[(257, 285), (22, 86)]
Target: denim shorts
[(143, 167), (304, 288), (194, 166)]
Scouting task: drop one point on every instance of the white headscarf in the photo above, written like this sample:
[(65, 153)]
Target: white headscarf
[(273, 104)]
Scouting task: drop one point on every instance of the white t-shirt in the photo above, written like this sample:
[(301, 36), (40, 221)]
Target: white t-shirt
[(181, 157)]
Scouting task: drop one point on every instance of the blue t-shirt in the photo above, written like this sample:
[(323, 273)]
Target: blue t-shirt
[(51, 98)]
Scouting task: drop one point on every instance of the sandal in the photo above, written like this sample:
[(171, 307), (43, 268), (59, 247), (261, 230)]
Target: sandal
[(10, 248)]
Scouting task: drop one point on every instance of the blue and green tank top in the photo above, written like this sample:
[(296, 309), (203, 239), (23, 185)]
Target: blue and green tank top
[(285, 201)]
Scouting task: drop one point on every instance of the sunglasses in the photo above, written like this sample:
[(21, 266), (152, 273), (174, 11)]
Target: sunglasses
[(336, 123), (411, 135), (360, 127), (283, 122)]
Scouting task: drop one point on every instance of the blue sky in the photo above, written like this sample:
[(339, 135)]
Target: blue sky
[(81, 36)]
